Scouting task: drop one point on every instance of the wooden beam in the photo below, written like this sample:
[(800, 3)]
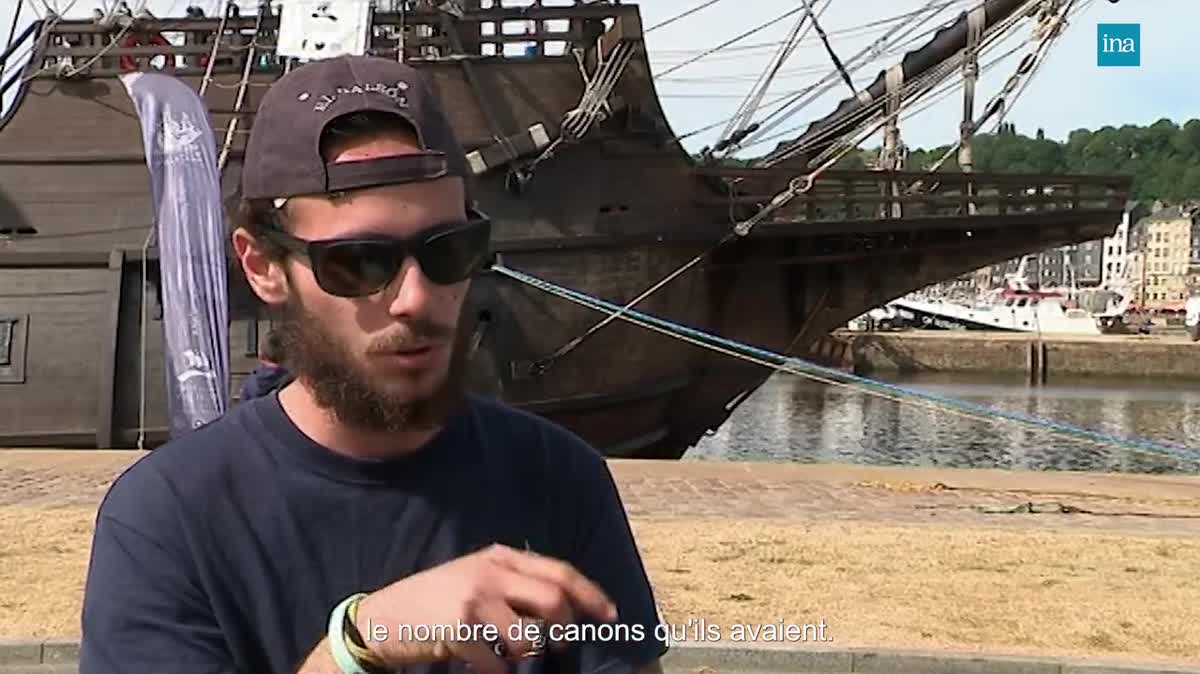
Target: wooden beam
[(13, 259), (109, 350), (948, 177), (50, 259), (409, 18)]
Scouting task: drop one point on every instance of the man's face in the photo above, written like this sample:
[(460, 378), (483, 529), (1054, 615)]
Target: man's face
[(390, 361)]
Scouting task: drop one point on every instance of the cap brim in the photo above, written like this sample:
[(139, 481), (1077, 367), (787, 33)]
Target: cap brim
[(380, 171), (392, 170)]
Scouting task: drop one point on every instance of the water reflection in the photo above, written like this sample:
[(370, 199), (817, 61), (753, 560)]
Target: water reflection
[(795, 419)]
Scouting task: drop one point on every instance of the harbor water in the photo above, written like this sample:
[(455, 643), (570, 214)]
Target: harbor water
[(794, 419)]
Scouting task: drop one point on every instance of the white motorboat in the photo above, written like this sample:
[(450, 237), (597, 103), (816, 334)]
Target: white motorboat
[(1015, 308), (1192, 317)]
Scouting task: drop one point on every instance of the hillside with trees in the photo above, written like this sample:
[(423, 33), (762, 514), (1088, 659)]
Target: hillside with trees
[(1163, 158)]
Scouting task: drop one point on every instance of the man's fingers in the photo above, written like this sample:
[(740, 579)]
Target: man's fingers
[(510, 632), (537, 596), (581, 592), (480, 657)]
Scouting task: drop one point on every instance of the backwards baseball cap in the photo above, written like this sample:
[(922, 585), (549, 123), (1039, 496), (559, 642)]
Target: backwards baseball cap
[(283, 155)]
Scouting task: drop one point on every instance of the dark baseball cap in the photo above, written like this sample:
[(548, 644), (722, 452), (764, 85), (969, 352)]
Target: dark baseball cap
[(283, 155)]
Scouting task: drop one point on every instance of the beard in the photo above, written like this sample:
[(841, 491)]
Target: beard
[(341, 384)]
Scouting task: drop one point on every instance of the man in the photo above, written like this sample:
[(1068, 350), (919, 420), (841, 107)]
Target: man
[(270, 373), (344, 522)]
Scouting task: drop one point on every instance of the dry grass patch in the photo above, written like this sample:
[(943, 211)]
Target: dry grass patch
[(985, 590), (43, 563), (1050, 593)]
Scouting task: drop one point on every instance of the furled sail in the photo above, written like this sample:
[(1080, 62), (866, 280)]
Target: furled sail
[(189, 220), (853, 111)]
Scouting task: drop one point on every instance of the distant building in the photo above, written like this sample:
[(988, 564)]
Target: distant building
[(1080, 264), (1087, 263), (1163, 245), (1114, 275), (1193, 278)]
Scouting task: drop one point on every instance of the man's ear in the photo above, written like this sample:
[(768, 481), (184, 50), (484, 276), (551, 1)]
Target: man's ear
[(265, 276)]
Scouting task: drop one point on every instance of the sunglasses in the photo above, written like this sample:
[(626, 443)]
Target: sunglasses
[(361, 266)]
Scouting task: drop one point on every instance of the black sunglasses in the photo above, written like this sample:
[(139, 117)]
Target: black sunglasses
[(361, 266)]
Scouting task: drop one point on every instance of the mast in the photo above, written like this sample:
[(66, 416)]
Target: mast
[(853, 111)]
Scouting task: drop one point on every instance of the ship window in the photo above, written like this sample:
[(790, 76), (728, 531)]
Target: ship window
[(251, 350), (13, 337), (7, 329)]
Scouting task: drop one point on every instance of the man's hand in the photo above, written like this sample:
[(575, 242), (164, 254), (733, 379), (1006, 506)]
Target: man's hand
[(498, 586)]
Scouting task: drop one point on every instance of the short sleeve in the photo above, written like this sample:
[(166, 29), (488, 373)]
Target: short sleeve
[(606, 552), (143, 610)]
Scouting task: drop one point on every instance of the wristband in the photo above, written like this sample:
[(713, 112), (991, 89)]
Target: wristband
[(354, 641), (336, 636)]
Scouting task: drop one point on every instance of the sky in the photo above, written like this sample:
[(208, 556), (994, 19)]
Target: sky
[(1068, 92)]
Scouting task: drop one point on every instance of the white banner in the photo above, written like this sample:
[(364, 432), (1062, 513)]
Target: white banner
[(321, 29)]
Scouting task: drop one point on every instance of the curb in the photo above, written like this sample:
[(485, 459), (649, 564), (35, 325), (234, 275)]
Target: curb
[(54, 652), (716, 659), (712, 659)]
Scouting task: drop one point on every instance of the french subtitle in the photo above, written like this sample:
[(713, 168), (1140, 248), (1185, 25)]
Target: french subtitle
[(700, 629), (694, 629)]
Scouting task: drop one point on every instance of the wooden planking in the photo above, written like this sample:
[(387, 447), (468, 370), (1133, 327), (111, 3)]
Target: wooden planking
[(46, 181), (537, 92), (67, 314)]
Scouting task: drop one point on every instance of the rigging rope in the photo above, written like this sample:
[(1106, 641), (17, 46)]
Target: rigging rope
[(728, 42), (783, 363), (212, 54), (876, 50), (69, 70), (884, 45), (938, 93), (247, 72), (829, 48), (679, 16), (12, 35), (1050, 27), (913, 91), (578, 121), (741, 119)]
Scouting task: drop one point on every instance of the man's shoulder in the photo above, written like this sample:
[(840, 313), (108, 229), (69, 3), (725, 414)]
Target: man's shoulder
[(188, 464)]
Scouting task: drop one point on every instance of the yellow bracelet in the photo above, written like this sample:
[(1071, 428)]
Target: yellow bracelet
[(359, 651)]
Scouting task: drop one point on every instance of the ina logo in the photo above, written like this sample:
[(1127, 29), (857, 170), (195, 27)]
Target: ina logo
[(1118, 44)]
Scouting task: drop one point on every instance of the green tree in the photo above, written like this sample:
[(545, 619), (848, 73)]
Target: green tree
[(1163, 158)]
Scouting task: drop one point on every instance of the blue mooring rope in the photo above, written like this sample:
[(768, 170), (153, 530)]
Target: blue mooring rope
[(785, 363)]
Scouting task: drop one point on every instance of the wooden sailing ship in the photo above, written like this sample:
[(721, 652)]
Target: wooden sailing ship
[(587, 182)]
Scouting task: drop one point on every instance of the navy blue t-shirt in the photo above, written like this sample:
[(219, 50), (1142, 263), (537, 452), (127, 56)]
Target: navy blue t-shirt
[(226, 549), (264, 379)]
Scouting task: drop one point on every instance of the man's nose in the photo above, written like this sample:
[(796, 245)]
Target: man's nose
[(411, 290)]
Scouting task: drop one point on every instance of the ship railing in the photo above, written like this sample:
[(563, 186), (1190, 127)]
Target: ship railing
[(856, 195), (507, 29), (497, 32)]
